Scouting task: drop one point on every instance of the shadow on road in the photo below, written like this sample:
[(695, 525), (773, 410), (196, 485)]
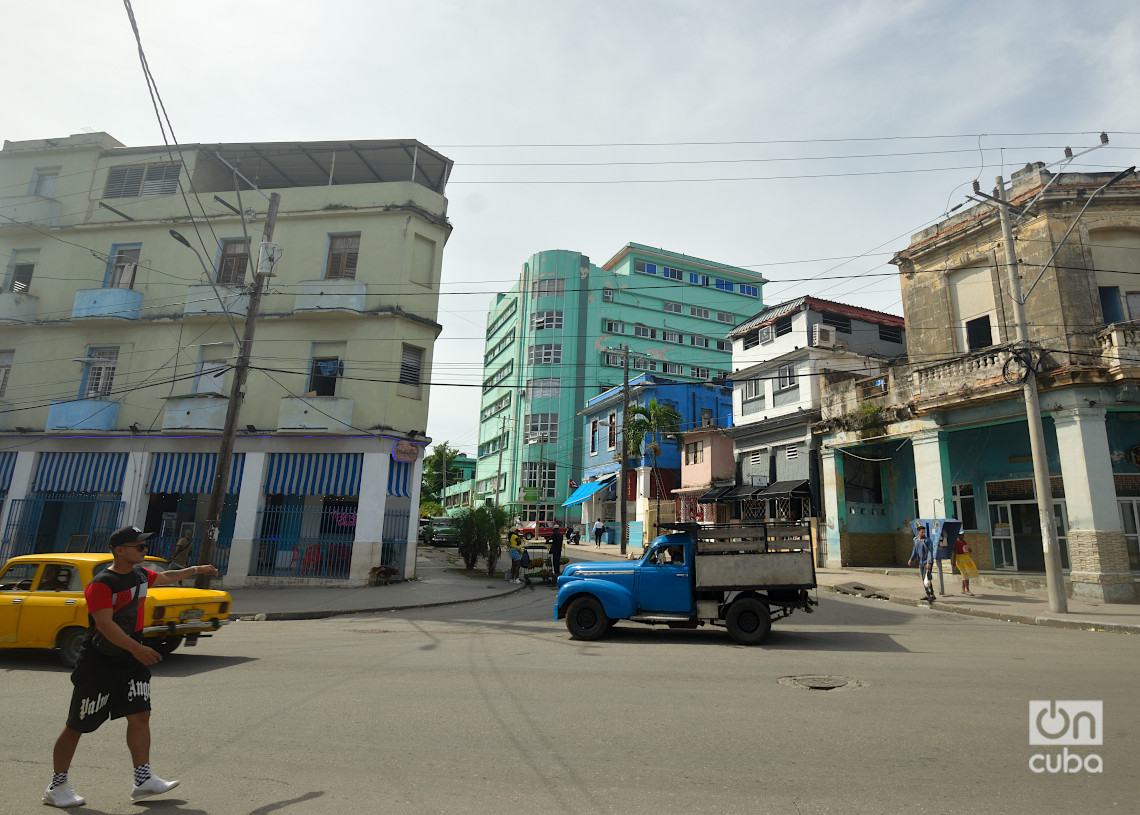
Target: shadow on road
[(177, 664)]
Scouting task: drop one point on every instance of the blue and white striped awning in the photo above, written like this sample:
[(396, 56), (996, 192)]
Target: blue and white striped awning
[(314, 474), (79, 472), (398, 474), (192, 472), (7, 464)]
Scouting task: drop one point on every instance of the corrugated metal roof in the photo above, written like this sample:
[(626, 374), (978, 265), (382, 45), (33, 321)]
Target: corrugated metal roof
[(773, 313)]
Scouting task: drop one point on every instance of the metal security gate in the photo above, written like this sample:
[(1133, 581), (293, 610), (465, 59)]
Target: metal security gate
[(60, 522), (297, 541), (394, 546)]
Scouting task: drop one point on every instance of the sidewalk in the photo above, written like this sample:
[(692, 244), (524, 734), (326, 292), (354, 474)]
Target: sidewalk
[(442, 580)]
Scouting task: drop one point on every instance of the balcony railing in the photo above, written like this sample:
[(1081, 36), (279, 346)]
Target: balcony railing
[(975, 370), (30, 209), (83, 414), (329, 295), (122, 304), (1120, 346), (18, 308), (329, 414), (202, 302), (199, 411)]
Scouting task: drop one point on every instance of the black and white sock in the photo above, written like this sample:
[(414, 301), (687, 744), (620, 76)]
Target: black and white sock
[(58, 779), (142, 773)]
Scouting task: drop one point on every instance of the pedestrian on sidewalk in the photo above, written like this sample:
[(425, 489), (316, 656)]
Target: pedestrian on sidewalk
[(923, 554), (112, 675), (965, 564), (515, 550), (599, 530)]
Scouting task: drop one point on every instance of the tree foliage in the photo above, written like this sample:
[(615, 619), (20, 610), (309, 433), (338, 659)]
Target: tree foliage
[(656, 422), (431, 484), (480, 534)]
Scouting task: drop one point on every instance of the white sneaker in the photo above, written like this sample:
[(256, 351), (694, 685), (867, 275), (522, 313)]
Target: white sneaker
[(152, 786), (516, 580), (63, 797)]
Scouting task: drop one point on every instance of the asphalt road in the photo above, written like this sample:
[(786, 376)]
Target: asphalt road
[(490, 708)]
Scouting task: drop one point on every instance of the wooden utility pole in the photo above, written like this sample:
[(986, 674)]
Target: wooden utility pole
[(622, 511), (264, 269)]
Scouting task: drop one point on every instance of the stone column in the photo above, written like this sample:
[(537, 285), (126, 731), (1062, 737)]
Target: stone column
[(834, 508), (932, 473), (245, 522), (1098, 553), (135, 496), (368, 545)]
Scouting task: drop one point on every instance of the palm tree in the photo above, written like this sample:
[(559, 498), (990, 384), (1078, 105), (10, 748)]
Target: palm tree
[(657, 421), (480, 534)]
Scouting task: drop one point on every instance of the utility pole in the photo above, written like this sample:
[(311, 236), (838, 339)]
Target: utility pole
[(541, 471), (622, 511), (265, 259), (443, 483), (499, 471), (1054, 579)]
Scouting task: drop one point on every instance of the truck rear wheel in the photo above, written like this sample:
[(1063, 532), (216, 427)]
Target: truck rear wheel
[(748, 621), (586, 618)]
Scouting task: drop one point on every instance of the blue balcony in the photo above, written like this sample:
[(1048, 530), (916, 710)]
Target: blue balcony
[(83, 414), (123, 304)]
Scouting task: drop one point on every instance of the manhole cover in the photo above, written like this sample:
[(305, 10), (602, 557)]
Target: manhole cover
[(821, 682)]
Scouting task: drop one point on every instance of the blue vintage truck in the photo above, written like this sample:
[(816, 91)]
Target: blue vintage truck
[(740, 576)]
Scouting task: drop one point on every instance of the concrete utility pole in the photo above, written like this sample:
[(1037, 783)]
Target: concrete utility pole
[(622, 511), (1054, 578), (499, 472), (264, 269)]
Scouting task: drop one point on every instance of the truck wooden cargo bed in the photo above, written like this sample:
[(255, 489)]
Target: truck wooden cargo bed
[(753, 556)]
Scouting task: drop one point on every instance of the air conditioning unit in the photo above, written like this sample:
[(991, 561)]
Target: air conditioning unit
[(823, 336)]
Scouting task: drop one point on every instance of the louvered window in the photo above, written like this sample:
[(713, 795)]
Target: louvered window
[(235, 258), (6, 358), (343, 252), (142, 179), (411, 365)]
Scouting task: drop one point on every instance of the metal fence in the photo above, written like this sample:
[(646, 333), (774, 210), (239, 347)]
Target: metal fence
[(60, 522), (303, 542), (166, 547), (395, 539)]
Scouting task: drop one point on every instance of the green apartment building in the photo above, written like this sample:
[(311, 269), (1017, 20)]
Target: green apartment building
[(554, 341)]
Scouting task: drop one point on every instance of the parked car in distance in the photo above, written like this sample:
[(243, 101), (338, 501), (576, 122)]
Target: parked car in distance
[(540, 529), (42, 605), (443, 533)]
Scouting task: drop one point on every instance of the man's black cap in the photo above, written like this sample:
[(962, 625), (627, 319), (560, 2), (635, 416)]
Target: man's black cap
[(128, 534)]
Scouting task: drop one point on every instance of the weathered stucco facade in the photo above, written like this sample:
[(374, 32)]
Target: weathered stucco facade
[(950, 435)]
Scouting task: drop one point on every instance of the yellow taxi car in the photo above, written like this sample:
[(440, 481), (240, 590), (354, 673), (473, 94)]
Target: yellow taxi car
[(42, 605)]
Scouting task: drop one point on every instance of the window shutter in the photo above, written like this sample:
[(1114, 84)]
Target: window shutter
[(411, 364), (123, 182)]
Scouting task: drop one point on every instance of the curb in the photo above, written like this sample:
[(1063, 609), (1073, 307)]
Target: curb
[(267, 616), (1021, 619)]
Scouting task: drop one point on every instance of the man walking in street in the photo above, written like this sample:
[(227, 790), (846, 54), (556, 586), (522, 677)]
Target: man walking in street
[(923, 553), (112, 678), (599, 529)]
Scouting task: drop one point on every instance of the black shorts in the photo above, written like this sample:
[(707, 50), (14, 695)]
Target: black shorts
[(107, 687)]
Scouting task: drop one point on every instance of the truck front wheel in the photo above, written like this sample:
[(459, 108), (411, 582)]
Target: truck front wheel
[(586, 619), (748, 621)]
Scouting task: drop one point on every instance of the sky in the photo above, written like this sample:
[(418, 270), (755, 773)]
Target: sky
[(805, 140)]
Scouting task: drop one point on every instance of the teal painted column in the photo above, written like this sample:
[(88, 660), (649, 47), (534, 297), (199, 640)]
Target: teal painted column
[(834, 505)]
